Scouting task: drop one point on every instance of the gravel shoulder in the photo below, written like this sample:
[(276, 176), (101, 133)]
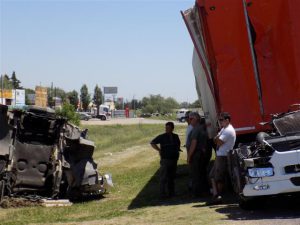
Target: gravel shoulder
[(126, 121)]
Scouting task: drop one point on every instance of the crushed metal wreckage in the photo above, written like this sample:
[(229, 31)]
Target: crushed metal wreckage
[(42, 154), (269, 166)]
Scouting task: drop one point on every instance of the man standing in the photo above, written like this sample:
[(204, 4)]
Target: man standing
[(169, 154), (196, 154), (224, 141), (187, 145), (188, 129)]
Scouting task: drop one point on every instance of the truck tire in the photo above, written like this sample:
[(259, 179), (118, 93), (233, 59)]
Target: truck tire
[(236, 176), (238, 183), (103, 118)]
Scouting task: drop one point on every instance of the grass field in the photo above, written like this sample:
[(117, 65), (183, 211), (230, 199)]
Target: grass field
[(124, 151)]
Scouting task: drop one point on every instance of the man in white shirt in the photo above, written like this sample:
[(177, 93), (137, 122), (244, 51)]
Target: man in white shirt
[(224, 141)]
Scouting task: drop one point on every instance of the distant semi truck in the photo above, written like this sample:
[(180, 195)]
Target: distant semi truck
[(181, 115), (103, 114)]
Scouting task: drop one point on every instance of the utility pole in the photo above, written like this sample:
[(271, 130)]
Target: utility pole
[(133, 105), (133, 102), (2, 100)]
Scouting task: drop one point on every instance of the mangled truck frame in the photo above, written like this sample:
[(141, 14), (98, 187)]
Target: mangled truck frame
[(43, 154), (270, 165)]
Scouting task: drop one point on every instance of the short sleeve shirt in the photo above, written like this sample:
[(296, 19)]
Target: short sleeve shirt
[(228, 136), (199, 133), (169, 145), (187, 133)]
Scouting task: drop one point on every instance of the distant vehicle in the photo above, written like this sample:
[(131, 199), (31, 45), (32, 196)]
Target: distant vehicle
[(103, 112), (155, 114), (101, 117), (84, 116), (145, 115), (180, 115)]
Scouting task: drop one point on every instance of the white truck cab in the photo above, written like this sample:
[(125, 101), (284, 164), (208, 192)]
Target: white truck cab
[(180, 115)]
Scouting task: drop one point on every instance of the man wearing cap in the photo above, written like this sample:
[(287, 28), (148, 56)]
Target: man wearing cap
[(224, 141)]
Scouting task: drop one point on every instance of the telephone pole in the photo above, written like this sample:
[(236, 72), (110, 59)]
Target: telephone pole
[(2, 100)]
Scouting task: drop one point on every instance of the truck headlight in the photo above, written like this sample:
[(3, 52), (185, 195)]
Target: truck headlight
[(261, 172)]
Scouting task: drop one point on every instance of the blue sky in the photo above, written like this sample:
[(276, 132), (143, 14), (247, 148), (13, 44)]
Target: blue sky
[(142, 47)]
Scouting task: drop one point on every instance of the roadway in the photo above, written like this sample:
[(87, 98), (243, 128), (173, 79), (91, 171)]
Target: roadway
[(126, 121)]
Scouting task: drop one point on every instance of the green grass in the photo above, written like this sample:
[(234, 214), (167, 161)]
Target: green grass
[(117, 138), (136, 186), (127, 181)]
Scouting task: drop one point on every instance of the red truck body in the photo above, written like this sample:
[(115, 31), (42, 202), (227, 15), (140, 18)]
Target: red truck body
[(250, 54)]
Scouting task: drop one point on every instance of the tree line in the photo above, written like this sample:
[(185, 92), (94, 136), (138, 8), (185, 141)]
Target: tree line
[(151, 104)]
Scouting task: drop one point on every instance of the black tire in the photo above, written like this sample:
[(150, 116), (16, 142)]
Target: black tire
[(103, 118), (236, 177)]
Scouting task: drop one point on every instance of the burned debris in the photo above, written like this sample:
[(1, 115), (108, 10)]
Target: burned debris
[(42, 154)]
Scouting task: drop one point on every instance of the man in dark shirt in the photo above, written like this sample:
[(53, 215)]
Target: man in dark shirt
[(169, 154), (196, 155)]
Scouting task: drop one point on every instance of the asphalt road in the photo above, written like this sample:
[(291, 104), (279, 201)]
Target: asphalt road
[(127, 121)]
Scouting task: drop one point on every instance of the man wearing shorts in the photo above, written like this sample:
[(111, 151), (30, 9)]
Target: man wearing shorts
[(224, 141)]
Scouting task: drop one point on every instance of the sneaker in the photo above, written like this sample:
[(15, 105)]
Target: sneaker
[(215, 200)]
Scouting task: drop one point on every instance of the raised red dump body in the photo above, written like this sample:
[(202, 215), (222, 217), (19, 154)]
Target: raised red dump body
[(247, 55)]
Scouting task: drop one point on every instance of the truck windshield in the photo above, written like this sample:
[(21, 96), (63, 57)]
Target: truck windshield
[(288, 124)]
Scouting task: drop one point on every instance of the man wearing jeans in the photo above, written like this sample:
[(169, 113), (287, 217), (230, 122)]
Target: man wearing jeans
[(196, 155), (169, 154)]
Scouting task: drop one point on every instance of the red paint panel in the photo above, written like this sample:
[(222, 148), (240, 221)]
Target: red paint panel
[(277, 46), (232, 68)]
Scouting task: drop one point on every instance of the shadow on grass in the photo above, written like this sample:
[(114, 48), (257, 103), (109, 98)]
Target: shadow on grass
[(149, 195), (273, 208)]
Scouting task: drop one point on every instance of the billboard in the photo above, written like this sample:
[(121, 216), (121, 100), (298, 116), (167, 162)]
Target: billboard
[(20, 97), (6, 94), (110, 90), (41, 96)]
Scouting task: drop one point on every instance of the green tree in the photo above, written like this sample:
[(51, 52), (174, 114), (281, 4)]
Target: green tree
[(60, 93), (196, 104), (84, 97), (56, 92), (68, 111), (184, 105), (27, 92), (134, 104), (73, 98), (157, 103), (170, 104), (14, 81), (97, 99), (6, 83)]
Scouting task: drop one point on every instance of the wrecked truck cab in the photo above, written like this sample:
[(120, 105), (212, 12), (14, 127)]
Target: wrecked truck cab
[(42, 154), (270, 166)]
